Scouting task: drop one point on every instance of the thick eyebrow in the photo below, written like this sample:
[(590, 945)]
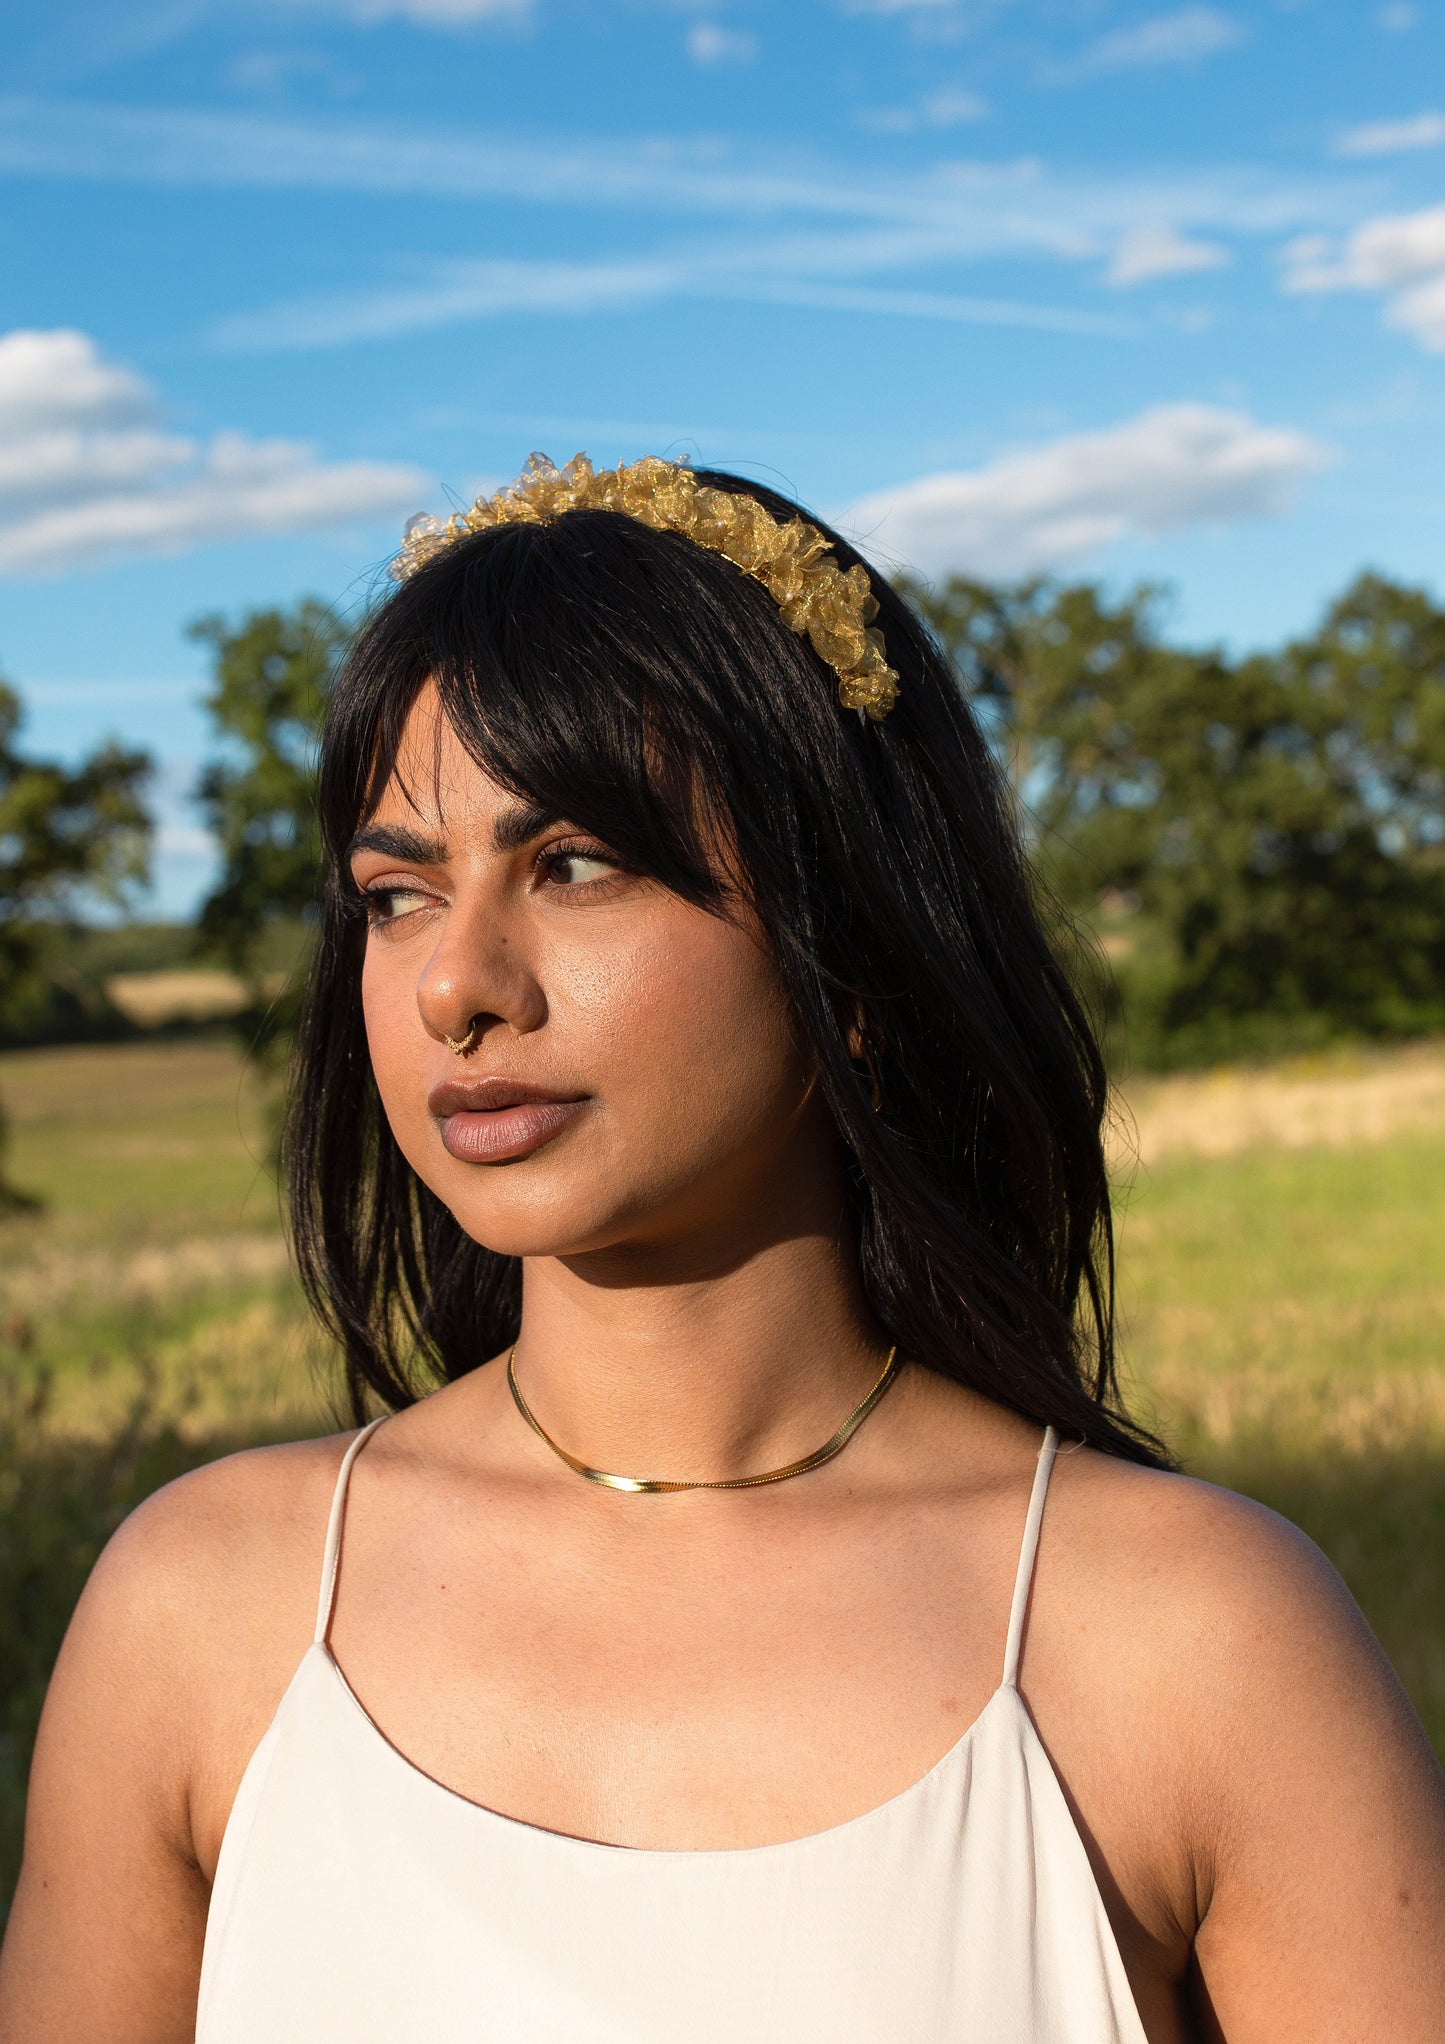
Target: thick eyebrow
[(512, 829), (395, 842), (516, 827)]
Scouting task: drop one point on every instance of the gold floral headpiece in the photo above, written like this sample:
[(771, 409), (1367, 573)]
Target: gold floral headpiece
[(792, 560)]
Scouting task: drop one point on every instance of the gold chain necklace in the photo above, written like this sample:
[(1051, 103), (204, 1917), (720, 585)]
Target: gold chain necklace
[(816, 1460)]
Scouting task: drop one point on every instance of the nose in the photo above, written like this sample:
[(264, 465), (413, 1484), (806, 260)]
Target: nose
[(479, 978)]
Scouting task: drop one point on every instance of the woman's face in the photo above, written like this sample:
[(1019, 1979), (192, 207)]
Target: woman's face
[(633, 1075)]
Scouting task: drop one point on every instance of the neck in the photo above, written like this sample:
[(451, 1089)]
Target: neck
[(717, 1354)]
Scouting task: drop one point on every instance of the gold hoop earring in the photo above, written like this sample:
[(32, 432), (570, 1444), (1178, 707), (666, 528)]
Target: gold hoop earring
[(462, 1046)]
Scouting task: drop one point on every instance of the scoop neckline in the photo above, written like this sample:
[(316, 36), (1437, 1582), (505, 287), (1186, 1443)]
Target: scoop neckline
[(666, 1853)]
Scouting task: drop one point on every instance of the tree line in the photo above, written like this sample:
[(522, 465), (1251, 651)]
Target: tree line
[(1256, 842)]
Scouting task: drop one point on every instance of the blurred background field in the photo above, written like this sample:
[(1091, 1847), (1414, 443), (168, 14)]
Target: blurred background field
[(1282, 1285)]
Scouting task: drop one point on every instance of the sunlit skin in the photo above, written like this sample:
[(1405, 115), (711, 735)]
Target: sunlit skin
[(709, 1670), (687, 1146)]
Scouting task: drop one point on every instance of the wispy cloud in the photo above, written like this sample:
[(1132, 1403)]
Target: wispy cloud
[(948, 106), (200, 149), (1185, 37), (947, 305), (944, 224), (454, 292), (1165, 470), (1401, 256), (708, 42), (835, 234), (994, 204), (89, 472), (780, 273), (1145, 253), (1393, 138)]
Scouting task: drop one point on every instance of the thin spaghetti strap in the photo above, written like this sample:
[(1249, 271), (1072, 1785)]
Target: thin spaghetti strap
[(1024, 1579), (332, 1554)]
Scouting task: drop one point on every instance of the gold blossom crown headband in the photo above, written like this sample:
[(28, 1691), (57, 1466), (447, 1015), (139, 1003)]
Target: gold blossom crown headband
[(792, 560)]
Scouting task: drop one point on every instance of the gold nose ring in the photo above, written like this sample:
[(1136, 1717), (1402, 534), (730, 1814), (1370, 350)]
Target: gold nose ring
[(462, 1046)]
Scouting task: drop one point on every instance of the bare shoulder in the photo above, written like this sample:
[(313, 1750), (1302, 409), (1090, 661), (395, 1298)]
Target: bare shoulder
[(192, 1623), (1224, 1674), (1183, 1580), (216, 1543)]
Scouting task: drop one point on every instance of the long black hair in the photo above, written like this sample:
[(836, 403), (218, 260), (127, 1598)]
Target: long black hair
[(619, 676)]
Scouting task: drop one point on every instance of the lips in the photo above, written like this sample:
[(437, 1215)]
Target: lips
[(497, 1120)]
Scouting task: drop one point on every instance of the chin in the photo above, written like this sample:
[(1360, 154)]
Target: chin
[(514, 1219)]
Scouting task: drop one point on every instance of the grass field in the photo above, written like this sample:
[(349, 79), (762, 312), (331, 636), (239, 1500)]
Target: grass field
[(1281, 1273)]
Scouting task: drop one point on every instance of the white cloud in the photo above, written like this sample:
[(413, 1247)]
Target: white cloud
[(1399, 17), (1420, 312), (1401, 255), (947, 107), (708, 42), (1396, 249), (951, 105), (968, 205), (1147, 252), (271, 72), (821, 272), (1168, 468), (456, 292), (200, 149), (1182, 38), (58, 379), (836, 229), (1393, 138), (89, 473)]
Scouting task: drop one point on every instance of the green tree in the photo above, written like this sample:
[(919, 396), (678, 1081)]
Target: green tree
[(272, 672), (1277, 820), (69, 836)]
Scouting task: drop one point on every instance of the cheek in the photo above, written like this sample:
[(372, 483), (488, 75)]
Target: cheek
[(395, 1037), (689, 1028)]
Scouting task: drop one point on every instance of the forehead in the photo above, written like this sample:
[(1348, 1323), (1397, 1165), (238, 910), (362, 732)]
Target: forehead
[(434, 777)]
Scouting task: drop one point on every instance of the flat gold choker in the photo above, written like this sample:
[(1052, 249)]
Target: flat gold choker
[(816, 1460)]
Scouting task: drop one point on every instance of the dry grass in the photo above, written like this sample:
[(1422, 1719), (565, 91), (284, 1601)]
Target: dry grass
[(185, 994), (1337, 1101), (157, 1262), (152, 998)]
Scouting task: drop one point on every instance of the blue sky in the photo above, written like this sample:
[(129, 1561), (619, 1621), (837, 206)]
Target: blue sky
[(1123, 290)]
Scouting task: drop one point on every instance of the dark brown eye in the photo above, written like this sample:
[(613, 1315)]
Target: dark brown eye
[(577, 866), (389, 904)]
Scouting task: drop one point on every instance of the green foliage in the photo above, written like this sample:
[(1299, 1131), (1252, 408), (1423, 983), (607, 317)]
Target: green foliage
[(273, 671), (68, 835), (272, 674), (1275, 825), (101, 949)]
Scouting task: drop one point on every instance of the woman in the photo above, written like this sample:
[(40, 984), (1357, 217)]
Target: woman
[(687, 1090)]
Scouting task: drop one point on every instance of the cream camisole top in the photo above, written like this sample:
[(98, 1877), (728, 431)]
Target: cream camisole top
[(358, 1901)]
